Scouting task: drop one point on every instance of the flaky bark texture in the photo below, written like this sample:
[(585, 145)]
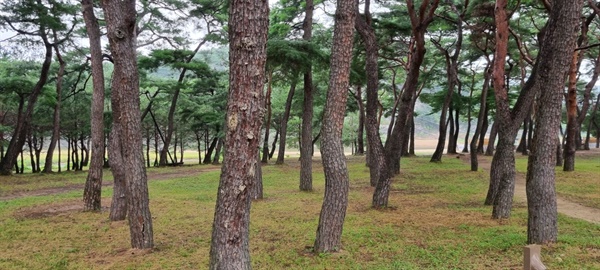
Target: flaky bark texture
[(118, 208), (121, 31), (93, 186), (333, 211), (306, 145), (376, 160), (248, 26), (555, 53)]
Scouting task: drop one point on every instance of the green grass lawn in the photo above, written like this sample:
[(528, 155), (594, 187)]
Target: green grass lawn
[(582, 185), (436, 221)]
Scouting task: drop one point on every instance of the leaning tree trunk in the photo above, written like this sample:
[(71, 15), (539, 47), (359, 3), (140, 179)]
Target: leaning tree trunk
[(265, 150), (217, 156), (419, 23), (491, 145), (171, 116), (121, 31), (284, 122), (20, 132), (557, 46), (56, 116), (211, 148), (306, 146), (248, 27), (92, 193), (333, 211)]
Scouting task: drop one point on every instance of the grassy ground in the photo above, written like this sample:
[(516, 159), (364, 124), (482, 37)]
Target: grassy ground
[(580, 186), (436, 221)]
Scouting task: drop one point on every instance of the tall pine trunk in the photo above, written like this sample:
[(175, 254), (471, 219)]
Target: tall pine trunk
[(54, 139), (376, 156), (333, 211), (92, 193), (306, 146), (556, 50), (248, 27), (121, 31)]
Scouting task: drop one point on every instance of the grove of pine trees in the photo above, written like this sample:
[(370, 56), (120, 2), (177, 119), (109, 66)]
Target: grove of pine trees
[(135, 84)]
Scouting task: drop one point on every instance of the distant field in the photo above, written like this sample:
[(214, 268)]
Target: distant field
[(436, 220)]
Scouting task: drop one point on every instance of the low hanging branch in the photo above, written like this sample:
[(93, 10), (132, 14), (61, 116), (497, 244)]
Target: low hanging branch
[(587, 47)]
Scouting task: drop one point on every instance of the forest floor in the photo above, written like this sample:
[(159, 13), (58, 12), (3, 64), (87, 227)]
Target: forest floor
[(436, 220)]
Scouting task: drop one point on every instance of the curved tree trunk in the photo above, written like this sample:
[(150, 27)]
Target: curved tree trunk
[(333, 211), (217, 156), (209, 151), (284, 122), (556, 50), (20, 132), (419, 23), (92, 194), (121, 31), (376, 161), (491, 145), (171, 116), (56, 116), (306, 146), (265, 150), (248, 27)]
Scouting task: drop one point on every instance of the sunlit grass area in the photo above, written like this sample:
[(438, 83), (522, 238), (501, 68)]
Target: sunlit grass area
[(436, 220)]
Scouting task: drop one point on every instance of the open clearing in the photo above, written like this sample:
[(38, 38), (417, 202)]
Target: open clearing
[(436, 221)]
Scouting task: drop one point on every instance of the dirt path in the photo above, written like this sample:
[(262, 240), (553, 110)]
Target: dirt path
[(152, 176), (565, 206)]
